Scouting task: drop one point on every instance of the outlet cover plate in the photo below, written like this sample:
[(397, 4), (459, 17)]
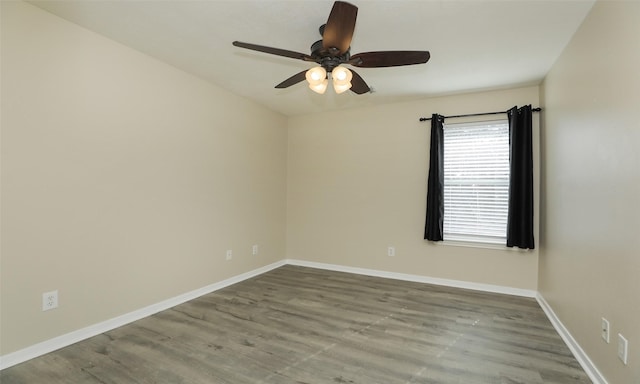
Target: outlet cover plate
[(49, 300), (623, 348)]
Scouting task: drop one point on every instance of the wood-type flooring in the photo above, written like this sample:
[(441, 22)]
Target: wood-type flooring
[(297, 325)]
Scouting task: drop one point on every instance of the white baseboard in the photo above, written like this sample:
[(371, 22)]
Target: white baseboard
[(62, 341), (580, 355), (417, 278)]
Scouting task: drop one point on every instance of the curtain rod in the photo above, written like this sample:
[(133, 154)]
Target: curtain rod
[(538, 109)]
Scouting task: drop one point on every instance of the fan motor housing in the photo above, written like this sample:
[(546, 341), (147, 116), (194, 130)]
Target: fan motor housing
[(328, 58)]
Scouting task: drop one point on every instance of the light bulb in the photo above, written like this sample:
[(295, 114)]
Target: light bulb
[(316, 75)]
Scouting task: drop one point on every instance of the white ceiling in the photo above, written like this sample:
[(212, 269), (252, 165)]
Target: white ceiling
[(474, 45)]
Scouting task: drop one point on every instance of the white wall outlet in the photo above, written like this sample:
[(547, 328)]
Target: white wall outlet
[(623, 348), (49, 300), (254, 250), (229, 254), (605, 330), (391, 251)]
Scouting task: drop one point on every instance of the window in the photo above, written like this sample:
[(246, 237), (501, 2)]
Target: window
[(476, 181)]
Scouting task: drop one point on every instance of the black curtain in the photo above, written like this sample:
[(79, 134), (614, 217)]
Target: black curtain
[(520, 216), (435, 188)]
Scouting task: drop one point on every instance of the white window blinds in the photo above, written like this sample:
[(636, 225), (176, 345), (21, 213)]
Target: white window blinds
[(476, 181)]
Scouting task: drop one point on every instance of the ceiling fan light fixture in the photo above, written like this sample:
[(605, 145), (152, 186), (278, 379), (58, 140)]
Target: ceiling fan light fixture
[(341, 75), (320, 87), (341, 79), (316, 75), (339, 88)]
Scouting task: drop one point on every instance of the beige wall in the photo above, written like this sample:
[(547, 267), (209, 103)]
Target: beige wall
[(124, 180), (590, 258), (357, 184)]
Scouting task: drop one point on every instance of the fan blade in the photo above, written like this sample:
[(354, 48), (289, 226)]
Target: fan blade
[(340, 26), (274, 51), (389, 58), (358, 85), (295, 79)]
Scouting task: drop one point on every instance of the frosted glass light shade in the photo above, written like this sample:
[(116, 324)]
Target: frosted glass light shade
[(341, 79), (316, 75), (341, 75), (320, 87), (339, 88)]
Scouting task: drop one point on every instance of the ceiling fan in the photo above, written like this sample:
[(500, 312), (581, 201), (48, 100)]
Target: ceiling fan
[(334, 50)]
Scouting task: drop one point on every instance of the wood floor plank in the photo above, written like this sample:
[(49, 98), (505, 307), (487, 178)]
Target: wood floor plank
[(297, 325)]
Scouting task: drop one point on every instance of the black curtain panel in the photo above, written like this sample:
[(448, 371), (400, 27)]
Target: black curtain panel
[(520, 216), (435, 187)]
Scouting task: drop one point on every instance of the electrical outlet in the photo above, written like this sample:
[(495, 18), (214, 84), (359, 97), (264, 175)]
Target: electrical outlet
[(391, 251), (229, 254), (49, 300), (254, 250), (623, 348), (605, 330)]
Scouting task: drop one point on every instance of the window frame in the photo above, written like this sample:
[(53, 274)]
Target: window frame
[(501, 184)]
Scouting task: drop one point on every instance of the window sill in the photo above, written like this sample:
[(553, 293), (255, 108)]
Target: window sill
[(472, 244)]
